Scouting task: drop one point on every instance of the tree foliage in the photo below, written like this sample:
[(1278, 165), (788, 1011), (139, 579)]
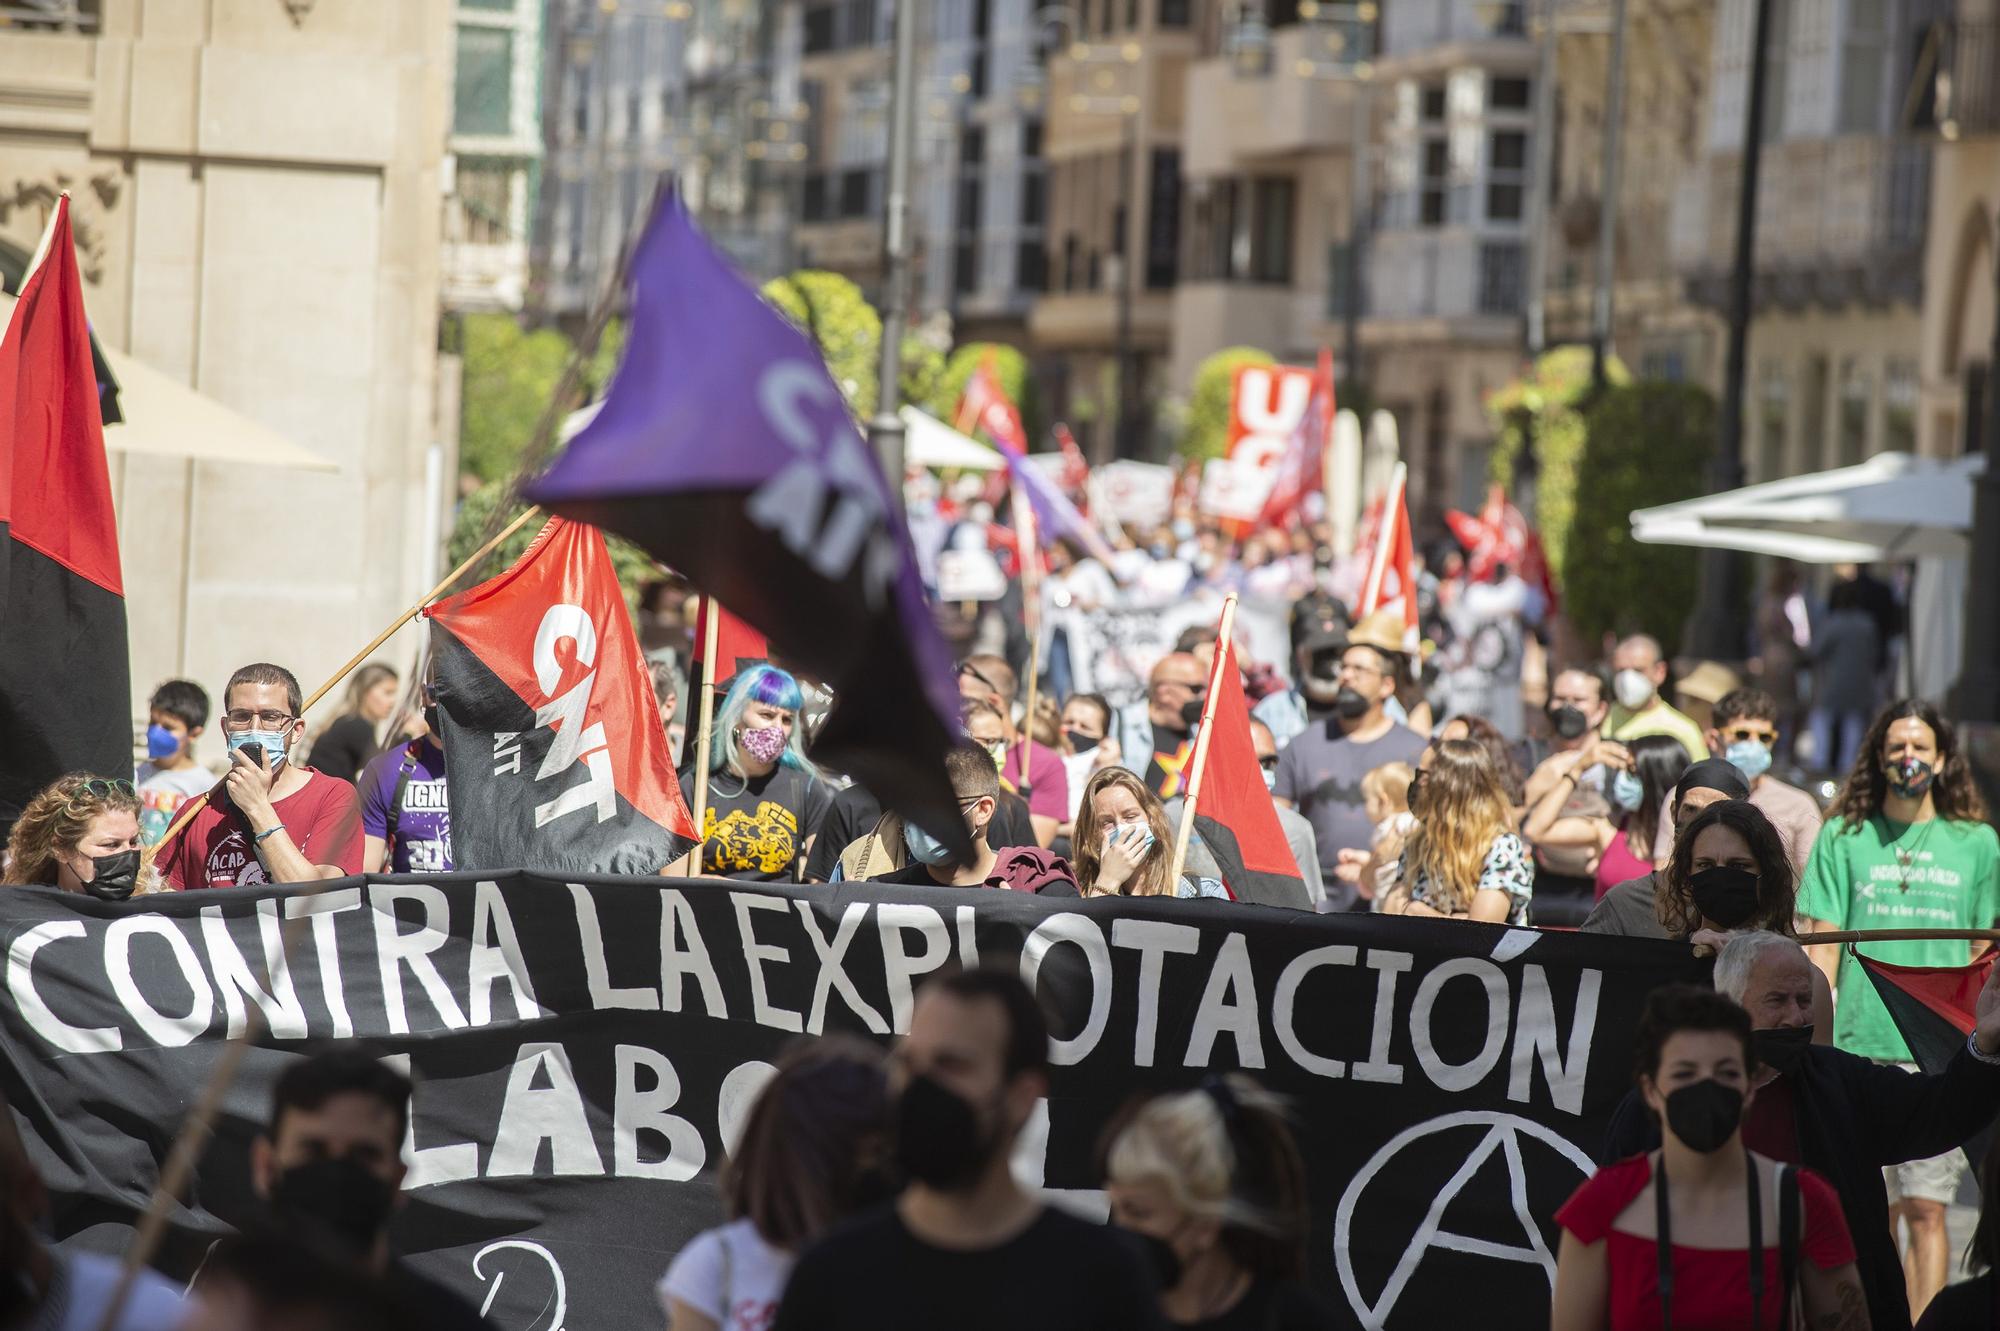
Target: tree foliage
[(1010, 367), (832, 312), (1548, 406), (1644, 444), (477, 522), (509, 374), (1207, 433)]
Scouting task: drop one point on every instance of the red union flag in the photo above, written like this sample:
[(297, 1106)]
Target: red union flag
[(555, 757)]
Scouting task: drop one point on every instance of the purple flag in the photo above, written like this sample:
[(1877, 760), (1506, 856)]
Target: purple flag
[(724, 448)]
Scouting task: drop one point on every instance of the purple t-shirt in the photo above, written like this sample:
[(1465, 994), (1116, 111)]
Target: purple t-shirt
[(423, 829)]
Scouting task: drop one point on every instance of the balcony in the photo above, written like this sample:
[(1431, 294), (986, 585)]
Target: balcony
[(1417, 275), (1970, 95), (1234, 121), (1082, 320), (1839, 222)]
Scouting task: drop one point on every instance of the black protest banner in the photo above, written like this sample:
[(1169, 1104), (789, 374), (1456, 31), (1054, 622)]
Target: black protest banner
[(584, 1050)]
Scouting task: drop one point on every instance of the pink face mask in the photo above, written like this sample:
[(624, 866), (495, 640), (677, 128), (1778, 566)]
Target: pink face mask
[(764, 744)]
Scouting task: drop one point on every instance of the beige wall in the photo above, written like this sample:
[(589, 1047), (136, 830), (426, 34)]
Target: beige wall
[(258, 202), (1958, 282)]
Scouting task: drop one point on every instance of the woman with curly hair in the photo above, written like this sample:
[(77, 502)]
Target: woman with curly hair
[(1123, 844), (1728, 872), (81, 835), (1906, 845), (1464, 859)]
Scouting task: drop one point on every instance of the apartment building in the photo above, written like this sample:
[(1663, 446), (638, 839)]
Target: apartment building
[(1842, 213), (493, 153), (1447, 257), (703, 93), (1279, 108), (1116, 98)]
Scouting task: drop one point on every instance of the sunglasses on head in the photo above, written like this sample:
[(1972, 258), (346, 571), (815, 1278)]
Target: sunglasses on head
[(967, 668)]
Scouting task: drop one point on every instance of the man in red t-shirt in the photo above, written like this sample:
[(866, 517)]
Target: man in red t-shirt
[(269, 822)]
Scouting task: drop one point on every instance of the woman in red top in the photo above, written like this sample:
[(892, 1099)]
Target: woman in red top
[(1716, 1202)]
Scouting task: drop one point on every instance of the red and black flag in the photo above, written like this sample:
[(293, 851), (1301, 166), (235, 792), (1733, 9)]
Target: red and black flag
[(65, 676), (737, 645), (1233, 809), (1935, 1009), (555, 757)]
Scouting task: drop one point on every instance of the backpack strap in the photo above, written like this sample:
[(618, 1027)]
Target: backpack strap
[(396, 800), (1788, 1239)]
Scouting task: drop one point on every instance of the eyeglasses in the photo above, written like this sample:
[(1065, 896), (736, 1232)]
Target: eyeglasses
[(1767, 738), (1269, 762), (98, 789), (243, 720), (1197, 688)]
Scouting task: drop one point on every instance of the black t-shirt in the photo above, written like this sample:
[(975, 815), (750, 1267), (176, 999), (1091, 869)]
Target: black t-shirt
[(855, 812), (1058, 1274), (1169, 744), (1971, 1305), (1272, 1305), (344, 747), (755, 827)]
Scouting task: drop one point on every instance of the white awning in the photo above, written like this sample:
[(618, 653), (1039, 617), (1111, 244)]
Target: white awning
[(165, 418), (929, 442)]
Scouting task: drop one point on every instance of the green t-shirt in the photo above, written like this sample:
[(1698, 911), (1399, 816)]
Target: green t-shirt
[(1883, 875)]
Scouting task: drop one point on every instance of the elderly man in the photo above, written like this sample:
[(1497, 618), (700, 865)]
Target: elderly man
[(1153, 736), (1639, 671), (1844, 1116)]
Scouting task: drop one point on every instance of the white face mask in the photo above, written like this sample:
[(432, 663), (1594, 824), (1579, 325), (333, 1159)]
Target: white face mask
[(1270, 778), (1633, 688)]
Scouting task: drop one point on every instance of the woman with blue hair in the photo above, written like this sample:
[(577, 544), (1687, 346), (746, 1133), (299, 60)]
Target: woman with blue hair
[(765, 798)]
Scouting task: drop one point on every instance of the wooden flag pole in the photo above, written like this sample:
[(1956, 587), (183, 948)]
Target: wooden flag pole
[(195, 805), (1898, 936), (710, 643), (1200, 755)]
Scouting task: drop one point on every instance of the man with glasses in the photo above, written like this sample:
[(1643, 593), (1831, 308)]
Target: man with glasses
[(1154, 735), (1743, 727), (1320, 771), (1044, 784), (271, 822)]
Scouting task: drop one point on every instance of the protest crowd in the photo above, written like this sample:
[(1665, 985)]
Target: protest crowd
[(1236, 720)]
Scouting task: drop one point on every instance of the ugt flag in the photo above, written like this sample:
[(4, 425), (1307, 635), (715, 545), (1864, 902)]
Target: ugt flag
[(554, 754), (724, 448), (65, 682)]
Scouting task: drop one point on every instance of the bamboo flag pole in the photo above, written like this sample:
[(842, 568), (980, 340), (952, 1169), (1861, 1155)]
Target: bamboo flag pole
[(194, 805), (710, 642), (1199, 757)]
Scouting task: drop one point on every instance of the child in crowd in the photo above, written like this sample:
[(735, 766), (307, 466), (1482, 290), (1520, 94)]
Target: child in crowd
[(1385, 796), (170, 776)]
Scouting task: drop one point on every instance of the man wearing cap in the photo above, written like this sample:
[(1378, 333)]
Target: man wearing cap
[(1628, 909), (1320, 771)]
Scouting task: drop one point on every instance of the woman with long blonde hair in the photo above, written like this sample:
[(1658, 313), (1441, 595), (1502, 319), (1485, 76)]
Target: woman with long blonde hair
[(1463, 860), (1123, 846), (81, 835), (343, 746)]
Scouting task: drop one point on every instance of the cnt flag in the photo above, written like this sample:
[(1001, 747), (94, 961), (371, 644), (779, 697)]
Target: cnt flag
[(1233, 809), (555, 757), (725, 449), (65, 690)]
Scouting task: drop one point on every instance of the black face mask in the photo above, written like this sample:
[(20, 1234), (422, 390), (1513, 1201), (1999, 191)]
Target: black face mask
[(1725, 894), (1704, 1114), (1782, 1047), (335, 1199), (434, 721), (113, 876), (1349, 704), (939, 1139), (1568, 722), (1191, 713)]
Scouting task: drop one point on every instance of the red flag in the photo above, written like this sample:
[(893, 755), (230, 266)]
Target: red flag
[(1305, 452), (1934, 1008), (1392, 578), (64, 669), (736, 643), (554, 751), (1075, 470), (1501, 535), (986, 406), (1233, 809)]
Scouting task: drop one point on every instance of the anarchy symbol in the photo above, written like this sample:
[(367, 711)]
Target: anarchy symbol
[(1502, 1136)]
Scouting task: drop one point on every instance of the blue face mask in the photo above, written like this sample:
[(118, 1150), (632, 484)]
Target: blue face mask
[(161, 743), (272, 742), (1626, 790), (925, 848), (1749, 757)]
